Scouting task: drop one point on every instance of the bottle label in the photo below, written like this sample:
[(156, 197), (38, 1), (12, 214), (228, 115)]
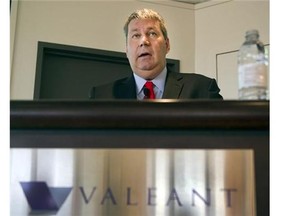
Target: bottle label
[(252, 75)]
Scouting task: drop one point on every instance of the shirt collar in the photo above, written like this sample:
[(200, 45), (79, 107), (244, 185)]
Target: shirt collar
[(158, 81)]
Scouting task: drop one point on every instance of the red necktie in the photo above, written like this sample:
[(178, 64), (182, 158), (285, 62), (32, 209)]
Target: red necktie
[(148, 90)]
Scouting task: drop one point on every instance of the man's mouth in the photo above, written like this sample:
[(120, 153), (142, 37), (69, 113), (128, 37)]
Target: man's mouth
[(144, 54)]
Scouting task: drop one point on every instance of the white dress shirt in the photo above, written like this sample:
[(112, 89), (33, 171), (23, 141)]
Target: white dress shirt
[(159, 83)]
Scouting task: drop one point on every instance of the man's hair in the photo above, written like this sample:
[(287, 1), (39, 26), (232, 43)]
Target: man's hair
[(146, 14)]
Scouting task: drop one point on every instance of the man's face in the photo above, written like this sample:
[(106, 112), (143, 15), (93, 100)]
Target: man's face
[(146, 48)]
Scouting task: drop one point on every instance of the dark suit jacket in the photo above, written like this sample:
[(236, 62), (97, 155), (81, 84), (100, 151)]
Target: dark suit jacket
[(177, 86)]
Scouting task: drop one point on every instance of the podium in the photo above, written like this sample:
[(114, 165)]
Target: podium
[(162, 157)]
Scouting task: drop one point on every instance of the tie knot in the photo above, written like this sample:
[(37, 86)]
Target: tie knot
[(149, 85), (148, 90)]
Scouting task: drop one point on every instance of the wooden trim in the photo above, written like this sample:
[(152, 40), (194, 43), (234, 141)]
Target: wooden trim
[(161, 114)]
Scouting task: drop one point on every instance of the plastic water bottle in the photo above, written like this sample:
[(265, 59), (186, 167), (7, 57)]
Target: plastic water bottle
[(252, 68)]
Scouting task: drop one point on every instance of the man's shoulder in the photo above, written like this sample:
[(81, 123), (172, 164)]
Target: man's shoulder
[(112, 89), (112, 84), (195, 85), (191, 76)]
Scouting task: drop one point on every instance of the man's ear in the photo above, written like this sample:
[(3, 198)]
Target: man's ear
[(167, 42), (126, 50)]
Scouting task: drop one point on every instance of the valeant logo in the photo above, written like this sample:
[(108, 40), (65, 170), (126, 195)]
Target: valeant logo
[(48, 200), (43, 199)]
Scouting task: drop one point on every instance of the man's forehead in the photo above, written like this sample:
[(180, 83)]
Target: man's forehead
[(137, 24)]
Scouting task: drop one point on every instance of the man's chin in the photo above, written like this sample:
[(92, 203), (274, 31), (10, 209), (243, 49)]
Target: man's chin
[(147, 73)]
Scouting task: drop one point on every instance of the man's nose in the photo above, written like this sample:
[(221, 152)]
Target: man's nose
[(144, 41)]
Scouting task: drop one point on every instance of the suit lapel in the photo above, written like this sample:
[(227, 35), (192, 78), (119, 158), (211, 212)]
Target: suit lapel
[(173, 85), (126, 89)]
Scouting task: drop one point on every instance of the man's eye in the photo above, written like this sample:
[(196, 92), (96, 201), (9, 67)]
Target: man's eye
[(135, 36), (152, 34)]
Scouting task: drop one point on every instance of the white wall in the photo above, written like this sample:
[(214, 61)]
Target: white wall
[(94, 24), (220, 27)]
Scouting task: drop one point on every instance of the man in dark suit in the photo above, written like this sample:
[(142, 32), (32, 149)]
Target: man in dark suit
[(147, 45)]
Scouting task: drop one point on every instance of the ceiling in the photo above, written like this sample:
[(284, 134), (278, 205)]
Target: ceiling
[(192, 1)]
